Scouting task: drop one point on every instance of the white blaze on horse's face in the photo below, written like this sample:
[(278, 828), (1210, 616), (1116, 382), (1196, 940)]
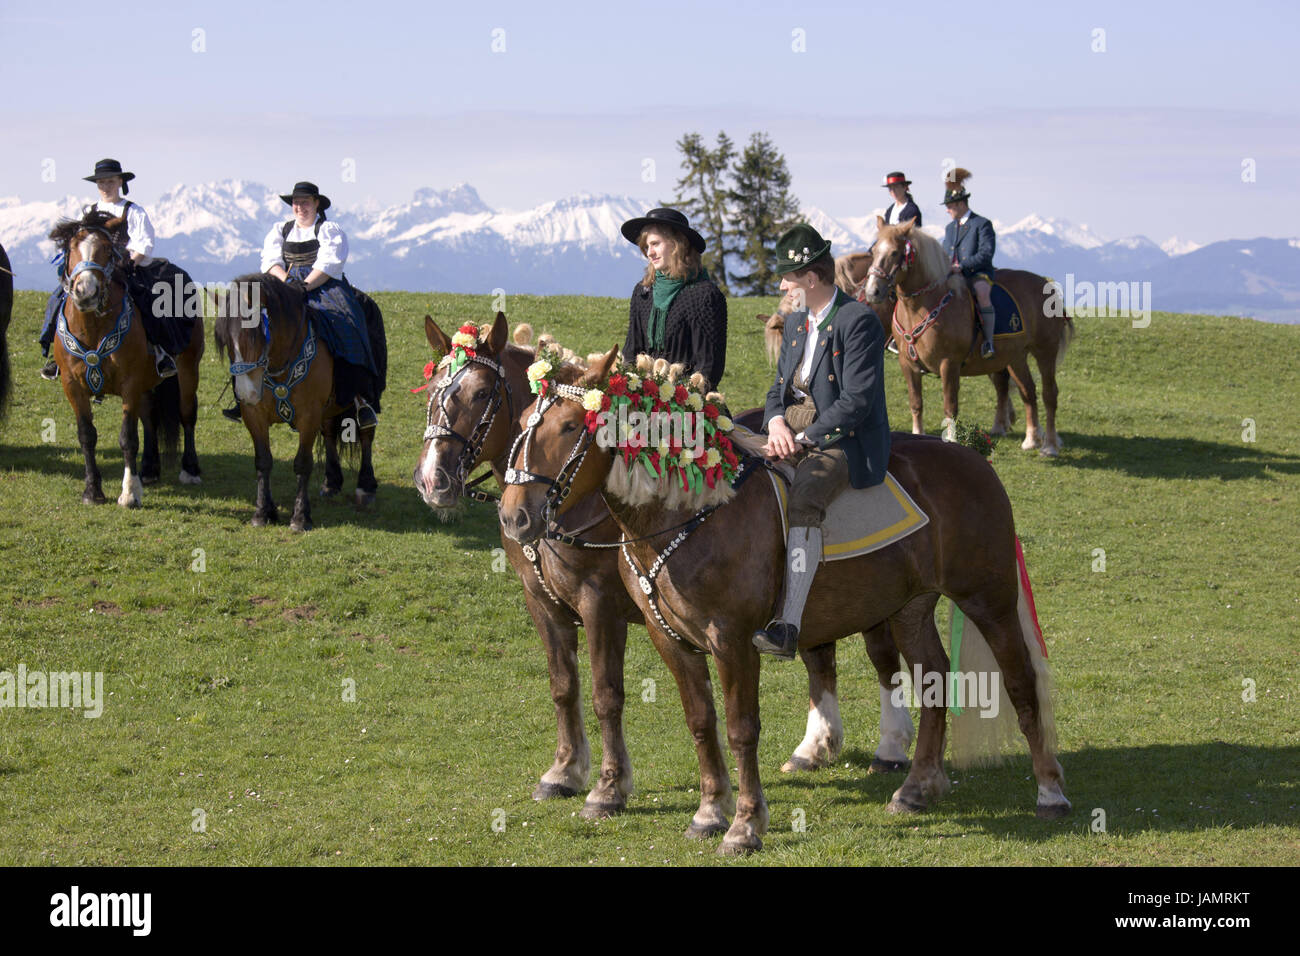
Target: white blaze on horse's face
[(441, 454), (248, 387), (86, 288), (876, 289)]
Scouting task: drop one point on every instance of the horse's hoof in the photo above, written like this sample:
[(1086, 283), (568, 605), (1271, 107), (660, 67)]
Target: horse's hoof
[(189, 479), (1047, 451), (797, 764), (900, 805), (1029, 444), (93, 498), (553, 791), (364, 499), (740, 846), (887, 766), (128, 501), (327, 492), (147, 480), (300, 524), (260, 521), (1052, 811), (697, 832), (601, 811)]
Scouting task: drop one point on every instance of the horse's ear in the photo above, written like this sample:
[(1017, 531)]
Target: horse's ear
[(499, 334), (906, 227), (775, 322), (880, 223), (438, 340), (599, 371)]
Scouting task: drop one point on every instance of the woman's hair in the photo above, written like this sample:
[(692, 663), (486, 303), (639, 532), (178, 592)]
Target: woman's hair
[(823, 267), (681, 262)]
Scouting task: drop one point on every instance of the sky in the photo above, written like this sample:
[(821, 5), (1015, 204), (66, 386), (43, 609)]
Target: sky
[(1135, 118)]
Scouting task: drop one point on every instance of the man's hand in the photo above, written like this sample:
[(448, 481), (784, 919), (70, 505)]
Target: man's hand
[(956, 267), (780, 440)]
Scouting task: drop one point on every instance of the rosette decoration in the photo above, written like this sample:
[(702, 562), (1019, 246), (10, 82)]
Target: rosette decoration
[(464, 346), (670, 437)]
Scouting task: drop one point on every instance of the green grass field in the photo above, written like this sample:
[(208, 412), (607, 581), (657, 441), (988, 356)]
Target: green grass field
[(225, 737)]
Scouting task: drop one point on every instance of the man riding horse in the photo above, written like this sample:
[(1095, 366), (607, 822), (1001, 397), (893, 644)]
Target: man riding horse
[(827, 406), (969, 240), (150, 282)]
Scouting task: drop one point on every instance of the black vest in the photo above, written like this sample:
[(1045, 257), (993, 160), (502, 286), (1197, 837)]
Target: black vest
[(300, 253)]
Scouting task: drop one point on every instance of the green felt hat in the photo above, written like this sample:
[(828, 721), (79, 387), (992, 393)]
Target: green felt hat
[(798, 247)]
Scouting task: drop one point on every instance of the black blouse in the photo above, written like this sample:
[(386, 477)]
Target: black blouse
[(695, 329)]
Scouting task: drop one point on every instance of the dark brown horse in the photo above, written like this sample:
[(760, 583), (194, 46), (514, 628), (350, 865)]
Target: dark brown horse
[(935, 311), (6, 313), (723, 580), (472, 419), (100, 348), (284, 373)]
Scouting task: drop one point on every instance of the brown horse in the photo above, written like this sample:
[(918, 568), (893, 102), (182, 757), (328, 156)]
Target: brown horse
[(723, 579), (100, 348), (472, 419), (934, 325), (283, 373)]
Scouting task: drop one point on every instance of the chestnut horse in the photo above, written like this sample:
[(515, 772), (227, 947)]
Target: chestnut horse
[(723, 579), (934, 324), (472, 418), (100, 348), (283, 373)]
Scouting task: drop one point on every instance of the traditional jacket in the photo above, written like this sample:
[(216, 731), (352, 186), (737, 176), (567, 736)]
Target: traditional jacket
[(847, 384), (974, 242), (908, 212), (695, 329)]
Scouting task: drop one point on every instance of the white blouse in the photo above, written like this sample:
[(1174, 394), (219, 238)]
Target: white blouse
[(329, 259), (139, 230)]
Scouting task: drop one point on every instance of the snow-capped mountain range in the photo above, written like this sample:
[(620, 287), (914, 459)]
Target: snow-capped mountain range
[(451, 241)]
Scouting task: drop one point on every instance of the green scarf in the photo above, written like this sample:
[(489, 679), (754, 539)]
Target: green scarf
[(664, 291)]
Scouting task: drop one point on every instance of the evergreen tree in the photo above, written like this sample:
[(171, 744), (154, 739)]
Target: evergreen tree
[(761, 208), (702, 194)]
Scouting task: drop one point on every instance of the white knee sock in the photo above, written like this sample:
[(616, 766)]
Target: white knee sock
[(803, 554)]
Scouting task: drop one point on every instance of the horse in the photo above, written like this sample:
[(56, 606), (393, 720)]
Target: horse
[(6, 313), (291, 381), (100, 348), (724, 575), (934, 325), (471, 419)]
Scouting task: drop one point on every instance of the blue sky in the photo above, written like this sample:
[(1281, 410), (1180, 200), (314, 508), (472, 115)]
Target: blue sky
[(1146, 136)]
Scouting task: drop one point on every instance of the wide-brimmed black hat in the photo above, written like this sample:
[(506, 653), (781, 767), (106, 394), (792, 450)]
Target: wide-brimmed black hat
[(106, 168), (307, 189), (659, 217), (895, 179)]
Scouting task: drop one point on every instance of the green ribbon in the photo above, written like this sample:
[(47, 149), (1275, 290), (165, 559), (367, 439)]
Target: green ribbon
[(954, 638)]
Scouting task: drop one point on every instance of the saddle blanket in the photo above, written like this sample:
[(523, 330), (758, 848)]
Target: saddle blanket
[(861, 520), (1007, 320)]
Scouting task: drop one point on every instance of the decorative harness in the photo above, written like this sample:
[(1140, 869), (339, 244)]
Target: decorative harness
[(94, 358), (889, 278), (559, 488), (297, 370), (473, 445)]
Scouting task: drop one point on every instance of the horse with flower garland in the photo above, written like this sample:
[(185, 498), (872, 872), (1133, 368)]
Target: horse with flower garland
[(715, 581), (478, 384)]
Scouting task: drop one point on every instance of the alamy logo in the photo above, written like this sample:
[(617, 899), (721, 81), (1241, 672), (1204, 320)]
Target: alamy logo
[(76, 690), (978, 689), (103, 909)]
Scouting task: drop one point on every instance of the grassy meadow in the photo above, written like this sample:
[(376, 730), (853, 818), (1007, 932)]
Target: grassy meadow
[(227, 650)]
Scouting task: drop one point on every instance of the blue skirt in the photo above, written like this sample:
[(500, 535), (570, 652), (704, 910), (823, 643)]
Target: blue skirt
[(339, 320)]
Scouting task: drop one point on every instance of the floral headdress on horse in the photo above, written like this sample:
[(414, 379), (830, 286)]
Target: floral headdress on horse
[(691, 466)]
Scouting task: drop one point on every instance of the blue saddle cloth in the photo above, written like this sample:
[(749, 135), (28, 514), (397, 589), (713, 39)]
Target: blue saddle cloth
[(339, 321), (1008, 320)]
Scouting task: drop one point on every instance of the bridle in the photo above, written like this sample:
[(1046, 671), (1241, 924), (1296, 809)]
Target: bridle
[(558, 487), (106, 270), (282, 384), (471, 446)]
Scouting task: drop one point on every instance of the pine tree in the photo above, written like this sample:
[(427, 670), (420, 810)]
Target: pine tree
[(761, 208), (702, 194)]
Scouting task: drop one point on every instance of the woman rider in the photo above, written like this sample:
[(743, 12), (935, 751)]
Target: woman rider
[(676, 312)]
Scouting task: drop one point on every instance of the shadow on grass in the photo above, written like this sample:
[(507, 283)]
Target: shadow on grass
[(1154, 788), (1176, 457)]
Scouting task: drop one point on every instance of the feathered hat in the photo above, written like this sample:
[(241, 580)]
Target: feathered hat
[(954, 182)]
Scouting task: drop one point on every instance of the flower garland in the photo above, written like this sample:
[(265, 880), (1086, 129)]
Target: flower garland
[(974, 437), (464, 346), (651, 388)]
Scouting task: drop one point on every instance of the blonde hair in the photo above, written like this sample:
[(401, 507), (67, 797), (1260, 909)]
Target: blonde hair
[(681, 261)]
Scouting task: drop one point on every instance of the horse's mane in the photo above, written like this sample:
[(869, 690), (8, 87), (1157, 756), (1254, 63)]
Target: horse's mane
[(65, 229), (284, 307), (929, 254)]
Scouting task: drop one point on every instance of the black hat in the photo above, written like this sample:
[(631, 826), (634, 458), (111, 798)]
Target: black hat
[(307, 189), (893, 179), (955, 186), (106, 168), (671, 217)]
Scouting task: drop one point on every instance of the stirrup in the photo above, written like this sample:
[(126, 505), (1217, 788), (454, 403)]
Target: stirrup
[(366, 417), (779, 638), (51, 371), (164, 363), (233, 413), (986, 350)]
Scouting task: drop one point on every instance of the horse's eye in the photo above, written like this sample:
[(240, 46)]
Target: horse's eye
[(481, 395), (568, 427)]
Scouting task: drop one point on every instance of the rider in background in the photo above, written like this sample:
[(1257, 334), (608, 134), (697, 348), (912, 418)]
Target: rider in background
[(308, 252), (903, 208), (969, 240), (827, 406), (135, 239)]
